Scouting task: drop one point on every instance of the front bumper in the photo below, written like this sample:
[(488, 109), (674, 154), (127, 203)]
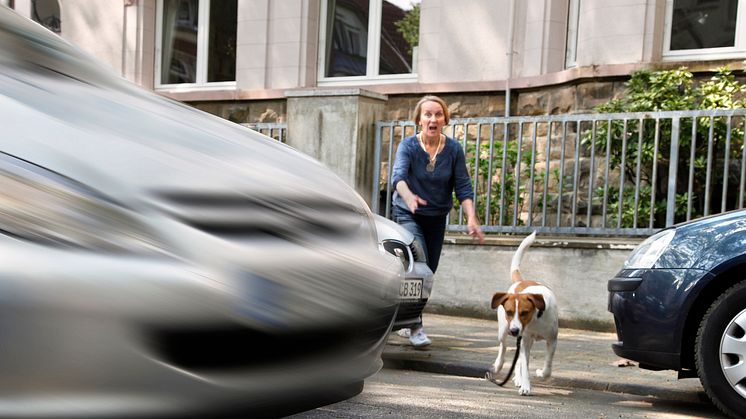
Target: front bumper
[(650, 308), (107, 335), (410, 311)]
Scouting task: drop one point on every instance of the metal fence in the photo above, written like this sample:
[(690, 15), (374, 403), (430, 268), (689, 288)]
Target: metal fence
[(627, 174), (275, 130)]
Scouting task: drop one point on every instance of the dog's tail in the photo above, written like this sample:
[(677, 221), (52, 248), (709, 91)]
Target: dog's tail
[(515, 272)]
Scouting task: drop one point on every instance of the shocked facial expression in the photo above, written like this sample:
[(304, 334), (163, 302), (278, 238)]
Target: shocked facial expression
[(432, 119), (520, 309)]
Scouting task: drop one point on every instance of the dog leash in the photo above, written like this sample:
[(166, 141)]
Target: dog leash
[(488, 375)]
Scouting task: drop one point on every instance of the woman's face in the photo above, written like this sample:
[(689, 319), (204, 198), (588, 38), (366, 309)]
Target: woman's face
[(432, 119)]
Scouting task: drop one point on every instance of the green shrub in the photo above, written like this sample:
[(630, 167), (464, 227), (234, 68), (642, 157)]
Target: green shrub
[(667, 90)]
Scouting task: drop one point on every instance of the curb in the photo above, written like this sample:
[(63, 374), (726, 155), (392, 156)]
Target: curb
[(474, 370)]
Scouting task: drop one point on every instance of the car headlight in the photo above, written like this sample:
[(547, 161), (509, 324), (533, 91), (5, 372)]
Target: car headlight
[(647, 253), (45, 207), (400, 250)]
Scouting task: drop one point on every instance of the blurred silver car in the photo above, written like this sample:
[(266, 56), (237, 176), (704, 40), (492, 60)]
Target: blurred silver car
[(159, 260), (417, 284)]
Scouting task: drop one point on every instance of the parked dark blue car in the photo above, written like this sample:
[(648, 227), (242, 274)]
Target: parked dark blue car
[(680, 303)]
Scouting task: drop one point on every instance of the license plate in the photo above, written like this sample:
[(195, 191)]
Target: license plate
[(410, 289)]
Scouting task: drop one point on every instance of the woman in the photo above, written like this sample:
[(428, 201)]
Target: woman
[(428, 168)]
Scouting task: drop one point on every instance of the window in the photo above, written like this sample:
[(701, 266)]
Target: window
[(46, 12), (571, 48), (705, 29), (369, 39), (197, 42)]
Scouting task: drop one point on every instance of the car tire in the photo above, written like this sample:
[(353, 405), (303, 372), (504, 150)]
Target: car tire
[(720, 346)]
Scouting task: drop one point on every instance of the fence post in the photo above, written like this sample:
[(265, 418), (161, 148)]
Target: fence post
[(672, 171)]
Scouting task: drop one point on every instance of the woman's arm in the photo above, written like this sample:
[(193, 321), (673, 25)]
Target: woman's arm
[(413, 200), (399, 175)]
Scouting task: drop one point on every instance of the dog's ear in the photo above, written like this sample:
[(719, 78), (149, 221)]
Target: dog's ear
[(498, 299), (538, 301)]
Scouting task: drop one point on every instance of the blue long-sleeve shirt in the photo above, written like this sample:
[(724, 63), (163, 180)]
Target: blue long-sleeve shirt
[(435, 187)]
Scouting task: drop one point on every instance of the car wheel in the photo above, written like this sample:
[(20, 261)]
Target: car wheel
[(720, 351)]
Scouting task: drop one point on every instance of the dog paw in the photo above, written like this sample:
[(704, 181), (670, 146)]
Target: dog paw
[(496, 368), (524, 390), (517, 381), (543, 374)]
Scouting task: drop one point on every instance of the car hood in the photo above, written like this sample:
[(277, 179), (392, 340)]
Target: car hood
[(123, 144), (707, 242), (118, 138), (389, 230)]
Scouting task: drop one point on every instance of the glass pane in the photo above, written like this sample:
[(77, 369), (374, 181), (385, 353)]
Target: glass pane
[(347, 47), (698, 24), (221, 62), (46, 12), (400, 34), (179, 52), (571, 47)]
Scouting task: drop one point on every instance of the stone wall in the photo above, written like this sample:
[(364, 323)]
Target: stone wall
[(247, 111), (580, 96), (576, 98)]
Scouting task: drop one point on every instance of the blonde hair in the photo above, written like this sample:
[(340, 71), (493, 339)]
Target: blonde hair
[(431, 98)]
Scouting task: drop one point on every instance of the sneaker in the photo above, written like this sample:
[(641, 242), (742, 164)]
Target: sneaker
[(419, 339), (405, 333)]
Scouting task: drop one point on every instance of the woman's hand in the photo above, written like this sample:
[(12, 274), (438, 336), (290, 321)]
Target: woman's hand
[(414, 202), (472, 223), (475, 230)]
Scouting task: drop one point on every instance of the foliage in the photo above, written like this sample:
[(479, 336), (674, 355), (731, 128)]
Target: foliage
[(665, 90), (503, 200), (632, 206), (409, 27)]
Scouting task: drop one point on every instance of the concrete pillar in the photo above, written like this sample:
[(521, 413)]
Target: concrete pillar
[(337, 127)]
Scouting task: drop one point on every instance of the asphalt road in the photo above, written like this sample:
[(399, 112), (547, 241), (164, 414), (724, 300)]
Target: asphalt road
[(409, 394)]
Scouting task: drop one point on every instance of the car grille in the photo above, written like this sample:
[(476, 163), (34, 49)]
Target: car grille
[(418, 253), (222, 348), (242, 216), (410, 310)]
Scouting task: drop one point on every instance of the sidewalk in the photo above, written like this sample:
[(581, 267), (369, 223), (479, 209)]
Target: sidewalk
[(468, 347)]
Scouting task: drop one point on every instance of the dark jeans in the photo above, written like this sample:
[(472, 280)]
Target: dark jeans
[(428, 230)]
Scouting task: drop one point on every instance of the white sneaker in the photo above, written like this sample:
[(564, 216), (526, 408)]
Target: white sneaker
[(405, 333), (419, 339)]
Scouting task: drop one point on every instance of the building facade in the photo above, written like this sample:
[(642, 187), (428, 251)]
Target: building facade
[(239, 58)]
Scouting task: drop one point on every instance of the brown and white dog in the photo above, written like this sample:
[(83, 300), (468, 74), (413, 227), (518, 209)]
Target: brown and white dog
[(529, 310)]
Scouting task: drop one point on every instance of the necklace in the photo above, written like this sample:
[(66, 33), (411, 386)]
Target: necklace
[(431, 160)]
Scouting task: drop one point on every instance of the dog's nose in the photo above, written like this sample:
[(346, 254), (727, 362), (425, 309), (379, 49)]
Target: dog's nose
[(514, 331)]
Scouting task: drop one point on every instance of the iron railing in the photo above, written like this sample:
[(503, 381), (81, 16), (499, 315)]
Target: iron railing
[(275, 130), (626, 174)]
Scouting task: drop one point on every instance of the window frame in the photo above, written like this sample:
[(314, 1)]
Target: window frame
[(375, 8), (737, 51), (203, 31)]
